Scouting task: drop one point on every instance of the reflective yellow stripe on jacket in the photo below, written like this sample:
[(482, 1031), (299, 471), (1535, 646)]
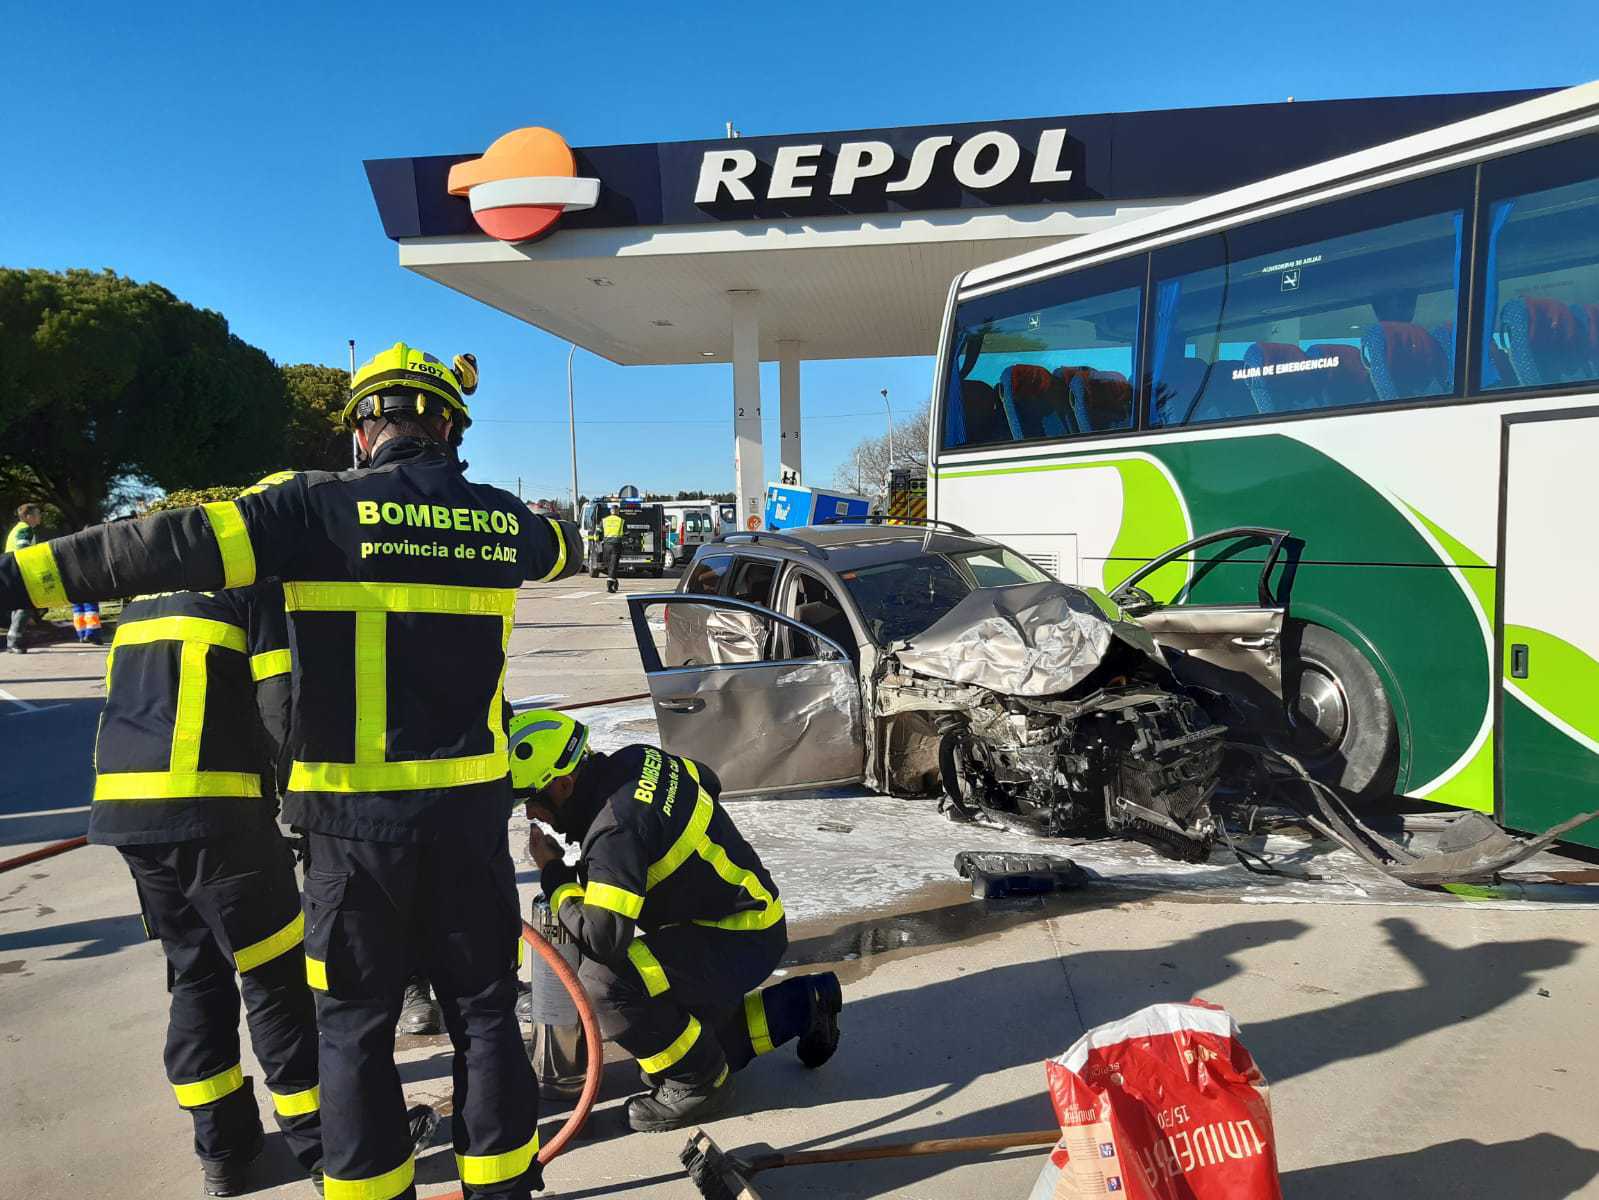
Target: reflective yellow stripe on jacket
[(270, 663), (41, 576), (233, 543), (370, 604), (695, 840)]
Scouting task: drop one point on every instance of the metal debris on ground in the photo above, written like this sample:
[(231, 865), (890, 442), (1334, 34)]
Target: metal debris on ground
[(998, 876)]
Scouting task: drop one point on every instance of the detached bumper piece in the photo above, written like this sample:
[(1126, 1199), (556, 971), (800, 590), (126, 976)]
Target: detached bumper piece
[(997, 876)]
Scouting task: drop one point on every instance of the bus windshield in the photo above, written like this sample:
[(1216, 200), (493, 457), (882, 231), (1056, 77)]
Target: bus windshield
[(898, 600)]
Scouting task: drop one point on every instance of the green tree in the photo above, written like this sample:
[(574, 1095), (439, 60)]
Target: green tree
[(108, 385), (315, 439)]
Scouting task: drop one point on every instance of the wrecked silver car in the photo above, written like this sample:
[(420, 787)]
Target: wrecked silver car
[(927, 663)]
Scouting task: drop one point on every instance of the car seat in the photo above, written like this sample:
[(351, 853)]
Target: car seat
[(1587, 338), (1404, 360)]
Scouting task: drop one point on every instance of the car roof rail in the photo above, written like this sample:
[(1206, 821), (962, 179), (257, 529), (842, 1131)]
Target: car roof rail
[(881, 519), (755, 537)]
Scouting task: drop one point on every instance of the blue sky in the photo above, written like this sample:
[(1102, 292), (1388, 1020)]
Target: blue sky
[(217, 149)]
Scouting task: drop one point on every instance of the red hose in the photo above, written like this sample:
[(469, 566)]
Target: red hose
[(591, 1037), (33, 856)]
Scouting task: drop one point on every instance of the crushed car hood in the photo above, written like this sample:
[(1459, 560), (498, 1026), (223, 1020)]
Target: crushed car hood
[(1029, 639)]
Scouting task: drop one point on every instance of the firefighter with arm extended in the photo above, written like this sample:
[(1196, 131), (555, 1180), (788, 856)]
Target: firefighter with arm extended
[(679, 923), (184, 780), (611, 528), (400, 582)]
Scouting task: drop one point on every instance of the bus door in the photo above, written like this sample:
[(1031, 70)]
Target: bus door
[(1549, 631)]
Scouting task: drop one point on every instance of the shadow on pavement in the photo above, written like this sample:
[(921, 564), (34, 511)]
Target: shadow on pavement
[(1541, 1167), (101, 935), (930, 1041)]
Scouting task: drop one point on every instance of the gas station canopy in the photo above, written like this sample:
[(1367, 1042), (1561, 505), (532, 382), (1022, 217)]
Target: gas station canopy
[(823, 245), (850, 239)]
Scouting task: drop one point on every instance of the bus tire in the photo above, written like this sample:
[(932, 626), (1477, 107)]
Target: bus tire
[(1340, 724)]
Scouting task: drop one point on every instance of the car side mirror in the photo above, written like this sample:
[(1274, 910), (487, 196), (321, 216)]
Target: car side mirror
[(1135, 601)]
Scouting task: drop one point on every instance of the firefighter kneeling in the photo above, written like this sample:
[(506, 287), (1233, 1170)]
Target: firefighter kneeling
[(678, 921)]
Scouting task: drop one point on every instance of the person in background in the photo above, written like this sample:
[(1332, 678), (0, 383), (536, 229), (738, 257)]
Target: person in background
[(611, 546), (86, 623), (22, 534)]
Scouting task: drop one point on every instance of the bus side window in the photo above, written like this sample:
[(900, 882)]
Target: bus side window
[(1336, 306), (1540, 278), (1046, 361)]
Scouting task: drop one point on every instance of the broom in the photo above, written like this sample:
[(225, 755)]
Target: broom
[(722, 1176)]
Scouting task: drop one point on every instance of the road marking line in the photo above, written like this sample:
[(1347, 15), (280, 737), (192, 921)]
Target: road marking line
[(538, 701), (25, 706), (48, 812)]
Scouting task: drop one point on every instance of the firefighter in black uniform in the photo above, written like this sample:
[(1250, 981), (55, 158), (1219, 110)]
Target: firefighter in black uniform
[(184, 786), (400, 583), (678, 921)]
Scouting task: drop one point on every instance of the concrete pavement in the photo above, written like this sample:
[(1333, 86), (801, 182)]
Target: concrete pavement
[(1440, 1050)]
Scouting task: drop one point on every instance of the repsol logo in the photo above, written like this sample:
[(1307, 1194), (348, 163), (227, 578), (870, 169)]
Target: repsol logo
[(435, 516), (982, 161)]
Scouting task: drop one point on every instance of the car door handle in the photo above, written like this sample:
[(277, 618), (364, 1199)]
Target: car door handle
[(691, 705), (1250, 642)]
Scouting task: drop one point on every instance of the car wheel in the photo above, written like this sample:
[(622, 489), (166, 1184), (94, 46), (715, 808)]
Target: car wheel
[(671, 560), (1340, 725)]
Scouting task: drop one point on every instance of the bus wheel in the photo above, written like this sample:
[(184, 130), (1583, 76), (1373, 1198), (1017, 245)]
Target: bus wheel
[(1340, 725)]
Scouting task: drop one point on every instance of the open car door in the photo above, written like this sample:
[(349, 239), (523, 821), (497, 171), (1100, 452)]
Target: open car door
[(777, 706), (1234, 650)]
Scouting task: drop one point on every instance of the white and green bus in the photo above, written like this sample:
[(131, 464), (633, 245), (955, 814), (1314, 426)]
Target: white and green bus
[(1393, 357)]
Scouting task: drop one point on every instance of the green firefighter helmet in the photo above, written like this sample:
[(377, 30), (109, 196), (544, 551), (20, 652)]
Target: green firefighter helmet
[(544, 745), (404, 379)]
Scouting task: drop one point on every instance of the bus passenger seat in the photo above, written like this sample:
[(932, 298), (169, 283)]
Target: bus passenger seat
[(1404, 361), (984, 419), (1100, 400), (1033, 402), (1176, 388), (1273, 393), (1444, 335), (1587, 338), (1544, 341), (1346, 384)]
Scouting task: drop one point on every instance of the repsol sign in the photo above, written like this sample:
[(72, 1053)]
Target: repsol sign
[(920, 168), (980, 162)]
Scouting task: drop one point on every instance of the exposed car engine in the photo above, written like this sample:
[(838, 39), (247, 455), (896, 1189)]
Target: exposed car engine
[(1053, 715)]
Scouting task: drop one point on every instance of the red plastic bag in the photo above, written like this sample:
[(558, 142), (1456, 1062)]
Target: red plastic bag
[(1164, 1105)]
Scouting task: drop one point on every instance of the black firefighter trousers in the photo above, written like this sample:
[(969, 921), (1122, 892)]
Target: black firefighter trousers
[(377, 913), (218, 906), (688, 1002)]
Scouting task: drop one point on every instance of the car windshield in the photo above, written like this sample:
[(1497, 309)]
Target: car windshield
[(898, 600)]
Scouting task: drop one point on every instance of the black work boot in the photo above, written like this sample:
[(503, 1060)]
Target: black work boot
[(676, 1102), (820, 1039), (610, 585), (421, 1119), (418, 1013), (231, 1176)]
